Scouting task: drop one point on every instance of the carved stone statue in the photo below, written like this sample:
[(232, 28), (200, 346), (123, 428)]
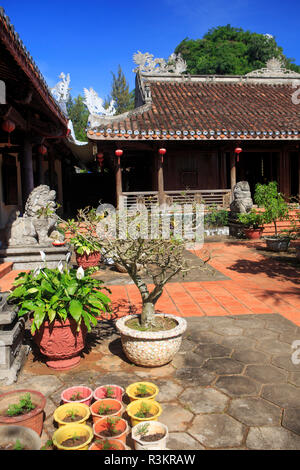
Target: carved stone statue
[(147, 63), (38, 221), (95, 104), (242, 201)]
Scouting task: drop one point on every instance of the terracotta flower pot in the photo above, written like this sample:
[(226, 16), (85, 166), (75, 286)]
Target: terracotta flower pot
[(112, 403), (117, 445), (85, 392), (120, 425), (33, 420), (88, 261), (61, 343), (101, 392), (253, 233)]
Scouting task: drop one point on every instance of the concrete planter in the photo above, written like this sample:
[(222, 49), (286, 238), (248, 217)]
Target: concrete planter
[(278, 243), (151, 349), (27, 437)]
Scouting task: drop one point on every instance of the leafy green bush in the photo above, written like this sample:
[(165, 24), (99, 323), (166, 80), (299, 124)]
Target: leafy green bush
[(268, 197), (252, 219), (58, 294), (83, 247), (216, 217)]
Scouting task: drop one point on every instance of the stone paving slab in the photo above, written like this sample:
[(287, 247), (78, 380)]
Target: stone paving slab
[(213, 395)]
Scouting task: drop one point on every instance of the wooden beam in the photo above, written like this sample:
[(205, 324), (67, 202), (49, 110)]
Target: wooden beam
[(26, 170)]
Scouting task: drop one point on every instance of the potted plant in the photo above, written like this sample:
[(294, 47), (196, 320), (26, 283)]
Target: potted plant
[(143, 410), (275, 209), (62, 304), (19, 438), (151, 435), (87, 253), (142, 390), (253, 222), (109, 428), (71, 413), (73, 437), (77, 393), (112, 444), (109, 391), (23, 408), (106, 407)]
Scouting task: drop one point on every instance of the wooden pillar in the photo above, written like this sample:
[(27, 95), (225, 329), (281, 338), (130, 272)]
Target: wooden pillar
[(119, 189), (40, 169), (26, 170), (232, 170), (160, 180), (51, 169), (284, 173)]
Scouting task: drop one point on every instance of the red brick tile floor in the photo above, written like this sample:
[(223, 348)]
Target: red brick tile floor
[(257, 284)]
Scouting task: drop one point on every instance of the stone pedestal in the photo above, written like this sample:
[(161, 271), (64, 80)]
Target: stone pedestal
[(28, 257), (236, 229), (12, 351)]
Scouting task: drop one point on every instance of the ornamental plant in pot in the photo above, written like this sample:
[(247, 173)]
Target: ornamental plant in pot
[(63, 304), (275, 209), (87, 253), (23, 408), (151, 435), (111, 428), (109, 391), (73, 437), (253, 222), (71, 413)]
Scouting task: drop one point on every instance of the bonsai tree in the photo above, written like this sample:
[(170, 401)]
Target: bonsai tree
[(252, 219), (273, 202)]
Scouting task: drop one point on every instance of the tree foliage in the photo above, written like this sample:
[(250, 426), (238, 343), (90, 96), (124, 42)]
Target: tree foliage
[(78, 114), (124, 99), (229, 50)]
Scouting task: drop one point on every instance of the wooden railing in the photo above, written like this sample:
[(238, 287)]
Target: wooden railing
[(208, 197)]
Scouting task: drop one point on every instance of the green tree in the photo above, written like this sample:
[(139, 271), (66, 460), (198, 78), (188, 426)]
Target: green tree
[(233, 51), (78, 114), (124, 99)]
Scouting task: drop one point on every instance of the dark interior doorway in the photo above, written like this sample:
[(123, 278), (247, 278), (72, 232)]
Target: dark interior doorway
[(257, 167), (137, 171)]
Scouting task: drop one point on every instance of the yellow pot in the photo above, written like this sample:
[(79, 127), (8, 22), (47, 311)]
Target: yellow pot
[(68, 431), (78, 408), (134, 407), (131, 390)]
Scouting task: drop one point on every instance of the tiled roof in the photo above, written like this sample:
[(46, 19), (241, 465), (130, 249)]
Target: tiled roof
[(13, 43), (208, 109)]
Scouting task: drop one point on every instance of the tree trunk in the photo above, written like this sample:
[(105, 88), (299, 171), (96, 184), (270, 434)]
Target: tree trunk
[(148, 313)]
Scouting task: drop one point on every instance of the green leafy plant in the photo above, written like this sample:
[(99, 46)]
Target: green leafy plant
[(76, 396), (47, 211), (57, 294), (48, 445), (83, 247), (273, 202), (24, 406), (105, 410), (144, 410), (111, 426), (216, 217), (18, 445), (72, 415), (142, 390), (106, 445), (109, 392), (252, 219), (143, 429)]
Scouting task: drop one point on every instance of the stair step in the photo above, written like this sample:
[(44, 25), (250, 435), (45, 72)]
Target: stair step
[(5, 268), (7, 281)]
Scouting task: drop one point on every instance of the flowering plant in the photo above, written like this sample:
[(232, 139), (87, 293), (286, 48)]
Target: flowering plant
[(58, 294)]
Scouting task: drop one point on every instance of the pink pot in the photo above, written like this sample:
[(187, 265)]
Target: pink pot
[(61, 343), (100, 392), (85, 392)]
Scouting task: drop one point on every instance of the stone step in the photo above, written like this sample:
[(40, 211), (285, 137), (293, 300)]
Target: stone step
[(6, 282), (5, 268)]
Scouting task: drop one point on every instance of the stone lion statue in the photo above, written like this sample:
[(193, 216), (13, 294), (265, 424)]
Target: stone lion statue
[(35, 226), (242, 201)]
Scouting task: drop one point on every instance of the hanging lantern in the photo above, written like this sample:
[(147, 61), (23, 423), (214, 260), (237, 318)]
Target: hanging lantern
[(162, 152), (237, 151), (119, 153), (8, 126), (42, 149), (100, 158)]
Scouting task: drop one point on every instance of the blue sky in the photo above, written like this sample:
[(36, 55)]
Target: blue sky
[(89, 39)]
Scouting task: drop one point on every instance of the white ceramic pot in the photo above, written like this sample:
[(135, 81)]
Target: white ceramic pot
[(151, 349), (153, 427)]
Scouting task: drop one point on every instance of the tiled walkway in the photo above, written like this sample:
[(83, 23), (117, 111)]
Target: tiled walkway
[(257, 284)]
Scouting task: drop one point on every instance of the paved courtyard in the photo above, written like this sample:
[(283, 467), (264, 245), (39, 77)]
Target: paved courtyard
[(233, 384)]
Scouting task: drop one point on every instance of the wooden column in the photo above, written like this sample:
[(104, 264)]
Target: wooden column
[(40, 168), (160, 180), (284, 173), (232, 170), (26, 170), (51, 169), (119, 189)]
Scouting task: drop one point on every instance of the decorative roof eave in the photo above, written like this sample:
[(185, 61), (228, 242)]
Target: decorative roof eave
[(110, 135), (103, 121), (18, 51)]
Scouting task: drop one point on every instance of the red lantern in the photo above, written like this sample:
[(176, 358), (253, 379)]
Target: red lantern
[(42, 150), (237, 151), (162, 152), (100, 159), (119, 153), (8, 126)]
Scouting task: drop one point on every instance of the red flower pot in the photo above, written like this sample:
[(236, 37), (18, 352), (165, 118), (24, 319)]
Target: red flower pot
[(61, 343), (100, 392), (253, 233), (85, 392), (33, 420), (88, 261)]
